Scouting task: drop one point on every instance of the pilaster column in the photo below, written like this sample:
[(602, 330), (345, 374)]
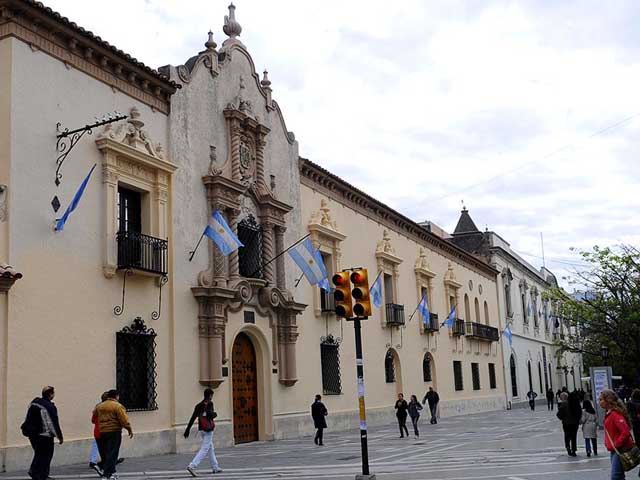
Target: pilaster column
[(211, 331), (281, 277), (110, 196), (287, 336), (260, 144), (234, 130), (268, 251)]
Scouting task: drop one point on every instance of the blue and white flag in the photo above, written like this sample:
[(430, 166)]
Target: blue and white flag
[(507, 333), (529, 309), (325, 285), (451, 319), (376, 291), (423, 308), (221, 234), (308, 258), (74, 203)]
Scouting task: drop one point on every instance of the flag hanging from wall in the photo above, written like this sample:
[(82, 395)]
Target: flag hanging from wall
[(219, 231), (74, 203), (308, 258)]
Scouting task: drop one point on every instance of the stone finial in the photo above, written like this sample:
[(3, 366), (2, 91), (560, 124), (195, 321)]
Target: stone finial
[(133, 134), (421, 261), (265, 82), (323, 216), (384, 245), (231, 27), (210, 44), (450, 275)]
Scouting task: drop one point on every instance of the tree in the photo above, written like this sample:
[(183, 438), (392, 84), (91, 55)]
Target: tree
[(606, 310)]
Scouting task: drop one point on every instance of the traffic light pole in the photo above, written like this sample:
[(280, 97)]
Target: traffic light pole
[(363, 414)]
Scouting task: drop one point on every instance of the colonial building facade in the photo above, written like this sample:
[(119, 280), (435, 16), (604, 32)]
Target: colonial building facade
[(122, 298), (532, 361)]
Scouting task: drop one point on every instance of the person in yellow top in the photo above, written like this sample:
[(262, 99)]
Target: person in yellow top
[(112, 418)]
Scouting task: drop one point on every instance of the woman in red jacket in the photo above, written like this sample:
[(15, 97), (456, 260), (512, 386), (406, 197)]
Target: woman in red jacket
[(617, 430)]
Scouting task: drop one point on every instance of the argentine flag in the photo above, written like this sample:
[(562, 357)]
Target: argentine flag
[(450, 321), (308, 258), (221, 234), (507, 333), (376, 291), (74, 203), (423, 308)]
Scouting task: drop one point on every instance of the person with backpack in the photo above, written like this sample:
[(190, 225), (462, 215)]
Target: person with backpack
[(633, 407), (414, 412), (41, 426), (318, 412), (204, 413), (589, 428)]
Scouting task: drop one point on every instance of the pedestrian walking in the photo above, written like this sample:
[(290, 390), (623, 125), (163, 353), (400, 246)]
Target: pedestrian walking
[(318, 412), (633, 407), (432, 398), (558, 396), (95, 447), (414, 412), (617, 431), (550, 397), (570, 413), (112, 418), (401, 414), (41, 426), (531, 395), (205, 414), (589, 428)]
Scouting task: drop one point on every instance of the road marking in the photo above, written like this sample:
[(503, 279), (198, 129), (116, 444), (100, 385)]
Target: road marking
[(516, 478)]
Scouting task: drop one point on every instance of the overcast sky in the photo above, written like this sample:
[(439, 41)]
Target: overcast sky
[(528, 111)]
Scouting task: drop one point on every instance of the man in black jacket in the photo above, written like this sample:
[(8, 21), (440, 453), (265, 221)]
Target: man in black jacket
[(41, 426), (204, 413), (318, 412), (433, 398)]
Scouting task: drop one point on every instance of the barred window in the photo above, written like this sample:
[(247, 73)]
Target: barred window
[(457, 375), (514, 379), (492, 375), (475, 375), (426, 367), (330, 361), (250, 256), (389, 368), (136, 366)]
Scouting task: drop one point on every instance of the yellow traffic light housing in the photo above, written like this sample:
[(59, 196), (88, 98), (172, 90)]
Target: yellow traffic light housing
[(360, 280), (342, 294)]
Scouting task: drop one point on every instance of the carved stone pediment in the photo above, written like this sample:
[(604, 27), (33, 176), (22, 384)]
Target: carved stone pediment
[(450, 277), (322, 224), (132, 134), (422, 265), (385, 250)]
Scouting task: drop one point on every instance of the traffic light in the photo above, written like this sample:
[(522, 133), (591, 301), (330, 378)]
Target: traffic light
[(360, 292), (342, 295)]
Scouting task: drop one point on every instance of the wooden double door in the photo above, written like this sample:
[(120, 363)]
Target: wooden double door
[(245, 390)]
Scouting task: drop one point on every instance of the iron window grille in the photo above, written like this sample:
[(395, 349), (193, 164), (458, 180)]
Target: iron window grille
[(458, 327), (475, 375), (142, 252), (330, 362), (492, 375), (426, 367), (395, 314), (327, 302), (136, 366), (433, 325), (457, 375), (389, 368), (250, 256), (514, 379), (482, 332)]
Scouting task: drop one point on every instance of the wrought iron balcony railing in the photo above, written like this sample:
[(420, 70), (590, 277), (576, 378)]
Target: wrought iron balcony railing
[(395, 314), (482, 332), (433, 325), (458, 327), (142, 252), (327, 302)]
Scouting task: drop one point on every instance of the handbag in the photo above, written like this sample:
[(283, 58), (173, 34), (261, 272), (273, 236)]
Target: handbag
[(205, 424), (629, 459)]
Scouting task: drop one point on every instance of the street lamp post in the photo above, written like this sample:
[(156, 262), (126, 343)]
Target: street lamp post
[(573, 374), (604, 351)]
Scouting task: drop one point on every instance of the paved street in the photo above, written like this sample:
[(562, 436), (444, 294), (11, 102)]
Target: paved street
[(513, 445)]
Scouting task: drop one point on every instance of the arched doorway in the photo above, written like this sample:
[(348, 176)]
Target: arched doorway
[(245, 390)]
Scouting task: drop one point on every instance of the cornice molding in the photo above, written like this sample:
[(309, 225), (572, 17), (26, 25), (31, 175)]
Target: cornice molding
[(316, 177)]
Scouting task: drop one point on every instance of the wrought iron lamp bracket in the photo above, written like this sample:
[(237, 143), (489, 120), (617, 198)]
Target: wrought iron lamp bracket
[(66, 139), (119, 309), (155, 315)]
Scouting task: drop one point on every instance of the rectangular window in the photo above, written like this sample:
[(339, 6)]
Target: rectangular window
[(492, 375), (524, 309), (330, 362), (475, 375), (388, 288), (129, 210), (136, 366), (457, 375)]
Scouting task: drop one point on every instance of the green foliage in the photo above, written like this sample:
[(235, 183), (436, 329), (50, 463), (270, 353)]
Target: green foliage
[(607, 311)]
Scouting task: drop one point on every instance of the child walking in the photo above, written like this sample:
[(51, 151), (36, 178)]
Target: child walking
[(589, 428)]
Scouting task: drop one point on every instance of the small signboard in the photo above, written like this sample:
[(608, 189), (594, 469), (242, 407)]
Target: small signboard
[(600, 380)]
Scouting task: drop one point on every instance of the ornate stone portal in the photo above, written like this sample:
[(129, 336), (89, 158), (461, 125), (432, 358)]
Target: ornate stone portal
[(221, 289)]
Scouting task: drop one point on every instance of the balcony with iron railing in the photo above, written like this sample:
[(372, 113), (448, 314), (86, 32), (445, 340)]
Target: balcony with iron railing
[(458, 327), (142, 252), (395, 314), (433, 325), (482, 332)]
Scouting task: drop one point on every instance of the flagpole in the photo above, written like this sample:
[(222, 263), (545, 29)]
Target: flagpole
[(414, 312), (193, 252), (298, 280), (280, 254)]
